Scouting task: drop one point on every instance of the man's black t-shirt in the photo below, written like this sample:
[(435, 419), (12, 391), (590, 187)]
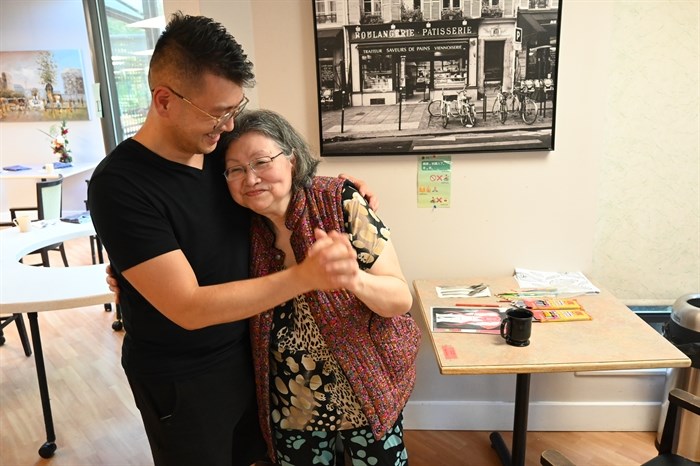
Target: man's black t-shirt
[(142, 206)]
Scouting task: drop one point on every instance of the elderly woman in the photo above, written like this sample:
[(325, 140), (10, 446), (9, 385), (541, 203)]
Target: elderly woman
[(326, 362)]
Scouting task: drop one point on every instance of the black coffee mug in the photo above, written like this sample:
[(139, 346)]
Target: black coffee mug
[(516, 327)]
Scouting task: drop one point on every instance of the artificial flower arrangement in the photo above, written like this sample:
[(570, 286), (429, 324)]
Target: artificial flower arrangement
[(59, 142)]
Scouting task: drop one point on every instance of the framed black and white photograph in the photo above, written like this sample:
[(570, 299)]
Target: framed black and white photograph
[(399, 77)]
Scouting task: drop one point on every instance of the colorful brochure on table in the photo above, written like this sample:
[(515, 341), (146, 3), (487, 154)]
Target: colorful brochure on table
[(467, 319), (555, 309)]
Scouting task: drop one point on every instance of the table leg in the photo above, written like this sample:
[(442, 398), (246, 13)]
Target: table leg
[(499, 445), (49, 448), (516, 457)]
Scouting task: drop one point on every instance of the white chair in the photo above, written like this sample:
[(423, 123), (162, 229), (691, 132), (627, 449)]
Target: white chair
[(49, 197)]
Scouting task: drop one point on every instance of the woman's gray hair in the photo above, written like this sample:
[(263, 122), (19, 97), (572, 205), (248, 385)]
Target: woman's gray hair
[(277, 128)]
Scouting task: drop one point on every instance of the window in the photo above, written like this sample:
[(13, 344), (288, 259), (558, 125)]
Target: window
[(326, 11), (450, 74), (491, 9), (431, 9), (377, 75), (373, 7), (123, 35), (539, 4), (451, 4)]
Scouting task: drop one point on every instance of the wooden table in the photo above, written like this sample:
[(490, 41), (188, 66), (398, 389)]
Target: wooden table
[(28, 289), (615, 339)]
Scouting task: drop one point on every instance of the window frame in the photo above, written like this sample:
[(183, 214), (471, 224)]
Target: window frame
[(106, 89)]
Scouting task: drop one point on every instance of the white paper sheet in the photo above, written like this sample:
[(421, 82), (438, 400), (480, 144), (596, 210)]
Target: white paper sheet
[(565, 283)]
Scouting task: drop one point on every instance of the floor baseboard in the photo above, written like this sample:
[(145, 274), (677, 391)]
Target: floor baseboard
[(543, 416)]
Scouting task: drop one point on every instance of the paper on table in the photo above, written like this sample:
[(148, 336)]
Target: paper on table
[(566, 283)]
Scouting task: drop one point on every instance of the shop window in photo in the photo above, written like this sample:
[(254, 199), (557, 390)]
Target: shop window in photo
[(377, 74), (450, 74)]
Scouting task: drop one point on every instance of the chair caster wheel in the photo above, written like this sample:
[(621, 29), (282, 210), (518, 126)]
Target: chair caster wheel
[(47, 450), (117, 325)]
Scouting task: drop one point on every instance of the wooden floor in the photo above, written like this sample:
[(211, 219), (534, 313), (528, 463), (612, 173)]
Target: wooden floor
[(97, 424)]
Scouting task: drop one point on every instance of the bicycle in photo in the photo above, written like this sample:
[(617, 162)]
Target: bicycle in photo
[(500, 105), (467, 110), (446, 108), (435, 106), (454, 106), (442, 107), (520, 104), (527, 108)]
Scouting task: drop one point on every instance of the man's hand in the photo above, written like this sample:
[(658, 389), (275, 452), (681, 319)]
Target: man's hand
[(113, 283), (363, 189), (331, 263)]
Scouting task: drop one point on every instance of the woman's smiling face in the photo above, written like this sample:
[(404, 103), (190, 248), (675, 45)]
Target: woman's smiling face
[(267, 191)]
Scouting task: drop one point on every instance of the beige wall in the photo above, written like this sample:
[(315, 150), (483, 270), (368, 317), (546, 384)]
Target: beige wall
[(647, 228)]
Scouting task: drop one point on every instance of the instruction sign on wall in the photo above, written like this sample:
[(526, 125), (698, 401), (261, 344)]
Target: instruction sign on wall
[(434, 181)]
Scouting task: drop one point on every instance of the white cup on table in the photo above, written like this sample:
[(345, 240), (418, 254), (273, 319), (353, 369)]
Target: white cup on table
[(48, 168), (23, 222)]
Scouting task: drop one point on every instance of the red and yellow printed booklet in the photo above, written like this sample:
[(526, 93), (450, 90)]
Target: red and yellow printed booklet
[(551, 303), (556, 309), (560, 315)]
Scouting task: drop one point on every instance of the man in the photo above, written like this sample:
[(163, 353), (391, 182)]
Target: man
[(178, 247)]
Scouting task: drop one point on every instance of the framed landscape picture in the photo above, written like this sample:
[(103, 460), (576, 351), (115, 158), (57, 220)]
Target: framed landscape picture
[(42, 85), (480, 76)]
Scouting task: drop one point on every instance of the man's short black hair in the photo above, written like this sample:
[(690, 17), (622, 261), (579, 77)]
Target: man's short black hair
[(191, 46)]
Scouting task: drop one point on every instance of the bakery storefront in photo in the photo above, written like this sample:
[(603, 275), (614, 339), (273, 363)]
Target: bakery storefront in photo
[(411, 57)]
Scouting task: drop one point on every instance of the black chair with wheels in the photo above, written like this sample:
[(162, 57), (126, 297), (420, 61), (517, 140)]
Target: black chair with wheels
[(49, 197), (677, 399), (19, 320)]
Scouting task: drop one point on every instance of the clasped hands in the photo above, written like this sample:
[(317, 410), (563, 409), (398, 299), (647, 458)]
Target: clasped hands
[(331, 262)]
